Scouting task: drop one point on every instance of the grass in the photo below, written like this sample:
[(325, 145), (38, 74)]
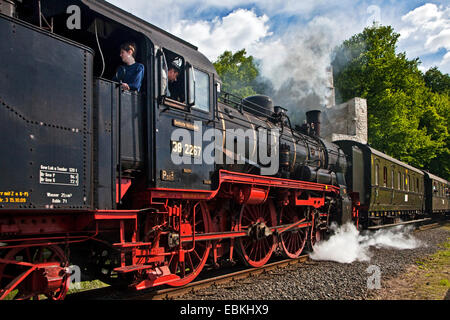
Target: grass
[(427, 279), (87, 285), (433, 281)]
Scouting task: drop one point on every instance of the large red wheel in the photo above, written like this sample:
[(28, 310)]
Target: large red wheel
[(35, 255), (256, 249), (292, 241), (195, 259)]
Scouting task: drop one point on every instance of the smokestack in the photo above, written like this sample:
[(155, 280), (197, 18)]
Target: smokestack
[(8, 7), (313, 119)]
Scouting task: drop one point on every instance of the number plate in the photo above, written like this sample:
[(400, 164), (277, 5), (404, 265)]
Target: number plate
[(186, 149), (167, 175)]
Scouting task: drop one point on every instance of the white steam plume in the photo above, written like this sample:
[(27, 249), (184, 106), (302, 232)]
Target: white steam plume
[(296, 66), (347, 245)]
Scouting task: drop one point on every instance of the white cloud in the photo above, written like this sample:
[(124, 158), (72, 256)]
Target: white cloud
[(441, 40), (424, 31), (166, 13), (240, 29), (445, 63), (295, 61)]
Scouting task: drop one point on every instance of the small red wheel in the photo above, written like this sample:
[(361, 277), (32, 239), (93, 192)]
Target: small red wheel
[(256, 249), (316, 234), (38, 254), (195, 260), (292, 241)]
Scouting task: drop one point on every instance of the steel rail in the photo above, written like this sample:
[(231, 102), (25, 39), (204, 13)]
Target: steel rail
[(170, 293)]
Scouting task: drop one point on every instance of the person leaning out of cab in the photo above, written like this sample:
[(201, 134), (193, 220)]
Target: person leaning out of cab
[(131, 73)]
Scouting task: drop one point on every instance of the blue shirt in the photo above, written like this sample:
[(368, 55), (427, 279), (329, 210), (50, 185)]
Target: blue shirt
[(131, 75)]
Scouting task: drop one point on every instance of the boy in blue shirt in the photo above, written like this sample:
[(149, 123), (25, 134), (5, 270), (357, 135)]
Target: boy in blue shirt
[(132, 73)]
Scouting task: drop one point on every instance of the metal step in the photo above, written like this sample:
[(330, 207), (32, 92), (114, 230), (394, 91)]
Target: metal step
[(132, 268), (159, 276)]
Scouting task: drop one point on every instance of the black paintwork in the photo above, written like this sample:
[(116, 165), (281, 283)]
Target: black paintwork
[(147, 121), (45, 119)]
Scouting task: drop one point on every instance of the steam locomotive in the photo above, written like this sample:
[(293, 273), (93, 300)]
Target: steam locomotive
[(122, 184)]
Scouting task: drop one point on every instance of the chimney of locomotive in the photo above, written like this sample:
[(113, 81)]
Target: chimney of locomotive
[(313, 120), (8, 7)]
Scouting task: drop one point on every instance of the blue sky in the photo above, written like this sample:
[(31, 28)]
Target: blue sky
[(266, 27)]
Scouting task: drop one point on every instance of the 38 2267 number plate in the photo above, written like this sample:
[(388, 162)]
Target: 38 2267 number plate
[(185, 149)]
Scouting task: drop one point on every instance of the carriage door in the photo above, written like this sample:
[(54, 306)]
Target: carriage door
[(358, 173), (183, 116)]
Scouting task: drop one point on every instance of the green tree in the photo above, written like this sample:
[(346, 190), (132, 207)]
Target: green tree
[(405, 118), (437, 81), (238, 73)]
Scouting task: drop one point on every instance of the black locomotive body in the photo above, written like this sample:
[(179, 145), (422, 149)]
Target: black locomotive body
[(109, 134), (46, 111), (145, 187)]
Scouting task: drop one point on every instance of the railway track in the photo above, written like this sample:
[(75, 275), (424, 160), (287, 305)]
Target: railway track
[(239, 275), (428, 226), (172, 293), (201, 284)]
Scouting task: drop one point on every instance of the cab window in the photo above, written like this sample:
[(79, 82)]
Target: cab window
[(172, 78), (201, 90)]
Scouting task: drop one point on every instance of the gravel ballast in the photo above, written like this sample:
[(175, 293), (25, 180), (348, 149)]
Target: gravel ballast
[(326, 280)]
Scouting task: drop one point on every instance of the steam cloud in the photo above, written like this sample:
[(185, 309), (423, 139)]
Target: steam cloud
[(347, 245), (295, 72)]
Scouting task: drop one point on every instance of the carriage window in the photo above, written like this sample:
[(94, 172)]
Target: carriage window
[(376, 174), (403, 181), (408, 182), (201, 90), (399, 185), (417, 185), (392, 179), (385, 178)]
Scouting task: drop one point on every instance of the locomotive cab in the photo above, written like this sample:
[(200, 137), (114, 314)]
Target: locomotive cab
[(115, 120)]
